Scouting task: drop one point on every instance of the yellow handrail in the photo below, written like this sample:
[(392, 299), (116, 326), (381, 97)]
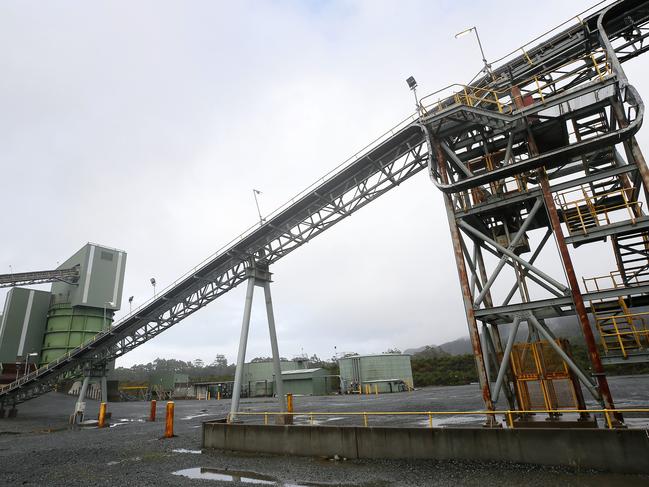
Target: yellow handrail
[(429, 414)]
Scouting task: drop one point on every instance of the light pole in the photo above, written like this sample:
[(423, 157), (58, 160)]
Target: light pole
[(255, 192), (112, 305), (130, 305), (487, 66), (153, 284), (412, 84)]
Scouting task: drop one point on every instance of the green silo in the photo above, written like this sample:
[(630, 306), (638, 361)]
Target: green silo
[(82, 309), (70, 326)]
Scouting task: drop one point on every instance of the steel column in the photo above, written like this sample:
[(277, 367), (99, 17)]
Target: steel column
[(241, 356), (466, 288), (277, 368)]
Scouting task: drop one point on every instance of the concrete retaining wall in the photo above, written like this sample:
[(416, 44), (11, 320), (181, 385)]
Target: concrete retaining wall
[(624, 451)]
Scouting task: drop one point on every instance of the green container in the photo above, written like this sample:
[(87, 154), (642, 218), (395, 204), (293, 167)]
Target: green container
[(70, 326)]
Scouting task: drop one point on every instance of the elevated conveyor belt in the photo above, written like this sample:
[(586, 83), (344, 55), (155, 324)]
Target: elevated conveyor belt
[(396, 156), (39, 277)]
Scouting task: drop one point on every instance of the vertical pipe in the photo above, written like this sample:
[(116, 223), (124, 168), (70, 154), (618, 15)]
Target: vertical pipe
[(277, 368), (241, 356), (464, 284), (169, 420)]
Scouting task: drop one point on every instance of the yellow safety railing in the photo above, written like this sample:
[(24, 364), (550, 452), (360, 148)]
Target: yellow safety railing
[(593, 210), (612, 280), (501, 100), (623, 332), (509, 415)]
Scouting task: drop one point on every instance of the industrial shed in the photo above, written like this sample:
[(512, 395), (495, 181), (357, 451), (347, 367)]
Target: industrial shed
[(386, 372), (309, 382)]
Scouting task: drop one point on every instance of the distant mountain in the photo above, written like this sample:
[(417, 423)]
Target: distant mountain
[(563, 326)]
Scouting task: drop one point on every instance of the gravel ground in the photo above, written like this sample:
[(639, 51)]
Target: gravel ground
[(38, 448)]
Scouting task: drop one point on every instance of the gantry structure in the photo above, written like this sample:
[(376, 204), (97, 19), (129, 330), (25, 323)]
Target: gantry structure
[(542, 142)]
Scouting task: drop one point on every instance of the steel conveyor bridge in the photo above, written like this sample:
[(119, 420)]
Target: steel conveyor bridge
[(39, 277), (580, 50)]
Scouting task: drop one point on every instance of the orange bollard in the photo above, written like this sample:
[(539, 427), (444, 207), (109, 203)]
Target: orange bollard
[(169, 420), (153, 410), (102, 415), (289, 403)]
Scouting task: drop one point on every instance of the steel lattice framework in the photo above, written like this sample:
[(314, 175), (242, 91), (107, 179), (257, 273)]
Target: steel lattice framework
[(451, 136)]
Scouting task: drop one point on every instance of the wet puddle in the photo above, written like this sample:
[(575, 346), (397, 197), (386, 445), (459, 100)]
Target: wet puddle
[(203, 473)]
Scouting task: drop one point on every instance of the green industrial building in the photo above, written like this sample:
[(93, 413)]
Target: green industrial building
[(23, 324), (40, 326), (386, 372), (309, 382), (259, 377)]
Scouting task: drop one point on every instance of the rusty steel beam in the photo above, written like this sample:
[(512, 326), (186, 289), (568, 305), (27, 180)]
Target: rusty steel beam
[(467, 298)]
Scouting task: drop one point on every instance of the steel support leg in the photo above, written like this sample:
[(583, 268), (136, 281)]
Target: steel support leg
[(277, 368), (466, 290), (80, 406), (241, 356), (505, 362), (577, 298)]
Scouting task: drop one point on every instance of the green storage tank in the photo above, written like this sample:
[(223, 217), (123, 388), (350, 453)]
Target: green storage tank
[(70, 326)]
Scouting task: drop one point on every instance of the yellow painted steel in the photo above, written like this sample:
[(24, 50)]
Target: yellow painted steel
[(289, 403), (507, 414), (102, 415), (218, 395)]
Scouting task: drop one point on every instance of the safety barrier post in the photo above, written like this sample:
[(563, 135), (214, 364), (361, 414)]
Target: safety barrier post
[(218, 395), (365, 419), (102, 415), (152, 411), (608, 419), (376, 389), (266, 419), (360, 391), (430, 420), (208, 395), (169, 420), (289, 403), (510, 419)]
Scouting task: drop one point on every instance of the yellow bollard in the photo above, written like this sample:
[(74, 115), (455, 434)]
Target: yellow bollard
[(218, 395), (208, 395), (368, 389), (169, 420), (289, 403), (102, 415), (365, 419), (376, 389), (152, 411), (360, 391)]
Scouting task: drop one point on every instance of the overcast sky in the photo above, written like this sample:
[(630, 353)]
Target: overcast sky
[(144, 125)]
